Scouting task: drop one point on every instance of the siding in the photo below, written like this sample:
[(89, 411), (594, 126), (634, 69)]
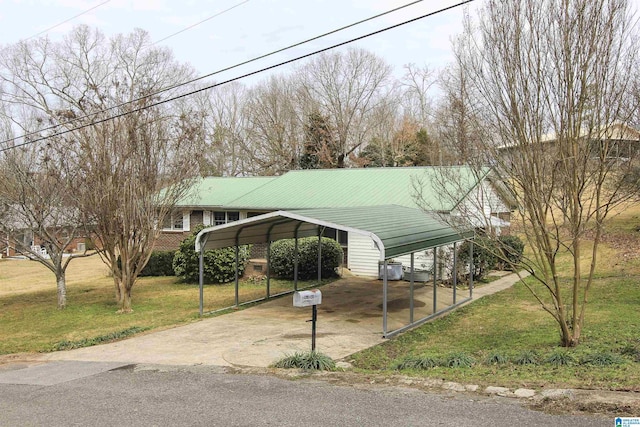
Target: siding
[(363, 256), (480, 204)]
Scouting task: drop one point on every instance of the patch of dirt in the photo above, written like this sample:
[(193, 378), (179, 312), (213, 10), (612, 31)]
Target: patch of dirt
[(626, 244), (10, 362), (616, 404)]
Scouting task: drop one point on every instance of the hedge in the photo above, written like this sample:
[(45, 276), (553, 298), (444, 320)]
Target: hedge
[(160, 264), (283, 256), (219, 264), (512, 249), (484, 256)]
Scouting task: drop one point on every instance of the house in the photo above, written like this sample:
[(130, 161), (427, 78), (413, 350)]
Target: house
[(458, 191), (623, 143)]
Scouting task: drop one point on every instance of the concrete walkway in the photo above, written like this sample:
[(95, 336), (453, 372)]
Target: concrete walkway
[(349, 321)]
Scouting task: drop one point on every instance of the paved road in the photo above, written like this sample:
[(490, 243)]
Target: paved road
[(205, 395)]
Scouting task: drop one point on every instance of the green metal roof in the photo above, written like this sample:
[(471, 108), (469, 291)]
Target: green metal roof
[(219, 191), (333, 188), (396, 230)]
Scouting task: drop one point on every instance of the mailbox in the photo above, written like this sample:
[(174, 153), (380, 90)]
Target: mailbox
[(307, 298)]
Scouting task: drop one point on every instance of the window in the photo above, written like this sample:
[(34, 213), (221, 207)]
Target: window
[(337, 235), (220, 218), (173, 221)]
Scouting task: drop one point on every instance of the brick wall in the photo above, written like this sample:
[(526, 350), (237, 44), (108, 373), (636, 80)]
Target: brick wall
[(170, 240)]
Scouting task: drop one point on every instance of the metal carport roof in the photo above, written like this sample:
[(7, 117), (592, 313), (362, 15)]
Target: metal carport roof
[(396, 230)]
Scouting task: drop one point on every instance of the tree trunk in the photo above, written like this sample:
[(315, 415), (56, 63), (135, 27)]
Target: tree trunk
[(125, 298), (118, 292), (62, 291)]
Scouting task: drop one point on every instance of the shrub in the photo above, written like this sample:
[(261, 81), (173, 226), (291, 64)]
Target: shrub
[(219, 264), (561, 358), (484, 256), (312, 361), (160, 264), (459, 360), (527, 357), (424, 362), (512, 249), (283, 257)]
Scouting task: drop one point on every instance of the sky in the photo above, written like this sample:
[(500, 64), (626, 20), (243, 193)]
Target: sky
[(245, 29)]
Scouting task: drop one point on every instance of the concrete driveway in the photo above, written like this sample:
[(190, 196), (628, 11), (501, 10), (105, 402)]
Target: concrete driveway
[(349, 320)]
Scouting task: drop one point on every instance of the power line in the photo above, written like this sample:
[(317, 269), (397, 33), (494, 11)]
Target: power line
[(87, 116), (252, 73), (66, 20), (200, 22)]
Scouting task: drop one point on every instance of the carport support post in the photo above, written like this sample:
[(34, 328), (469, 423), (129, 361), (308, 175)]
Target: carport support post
[(268, 265), (455, 271), (384, 298), (295, 259), (237, 278), (435, 277), (470, 268), (411, 292), (201, 277), (320, 231)]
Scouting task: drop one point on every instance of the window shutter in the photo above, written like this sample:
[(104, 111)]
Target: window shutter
[(206, 218), (186, 221)]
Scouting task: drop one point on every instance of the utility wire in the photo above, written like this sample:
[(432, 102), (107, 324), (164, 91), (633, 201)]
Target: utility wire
[(87, 116), (200, 22), (193, 92), (66, 20)]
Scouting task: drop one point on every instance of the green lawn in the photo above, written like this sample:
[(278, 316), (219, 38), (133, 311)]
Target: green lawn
[(510, 323), (30, 321)]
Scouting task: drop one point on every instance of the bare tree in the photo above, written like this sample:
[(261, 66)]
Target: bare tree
[(131, 168), (415, 85), (551, 81), (225, 130), (37, 216), (274, 126), (459, 124), (346, 88)]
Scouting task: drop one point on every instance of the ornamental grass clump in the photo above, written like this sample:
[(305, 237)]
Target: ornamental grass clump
[(527, 357), (459, 360), (310, 361), (604, 358), (496, 359), (561, 358), (424, 362)]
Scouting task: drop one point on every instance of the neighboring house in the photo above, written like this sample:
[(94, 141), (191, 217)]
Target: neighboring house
[(454, 191), (623, 140), (18, 239)]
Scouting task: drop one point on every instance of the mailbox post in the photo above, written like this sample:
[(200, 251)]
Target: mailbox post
[(305, 299)]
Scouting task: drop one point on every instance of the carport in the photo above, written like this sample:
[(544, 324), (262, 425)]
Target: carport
[(394, 230)]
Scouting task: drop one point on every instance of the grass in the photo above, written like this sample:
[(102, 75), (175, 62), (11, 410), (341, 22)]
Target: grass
[(516, 344), (31, 322)]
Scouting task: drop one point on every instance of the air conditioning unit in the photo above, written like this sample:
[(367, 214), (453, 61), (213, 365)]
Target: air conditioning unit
[(82, 247)]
